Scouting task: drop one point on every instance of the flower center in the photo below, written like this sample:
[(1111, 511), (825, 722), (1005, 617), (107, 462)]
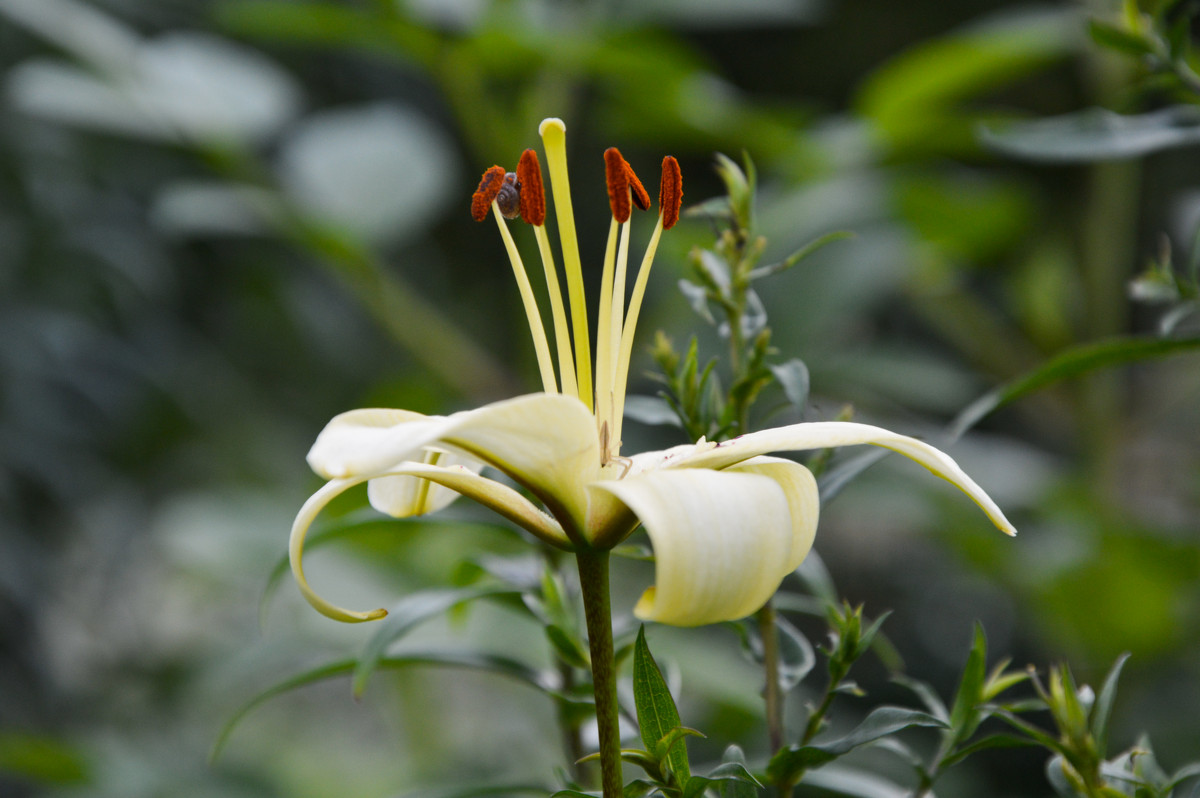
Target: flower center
[(509, 194)]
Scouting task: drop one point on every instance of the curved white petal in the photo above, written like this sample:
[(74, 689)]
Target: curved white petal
[(458, 480), (722, 542), (356, 442), (804, 501), (827, 434), (546, 442), (405, 496), (304, 519)]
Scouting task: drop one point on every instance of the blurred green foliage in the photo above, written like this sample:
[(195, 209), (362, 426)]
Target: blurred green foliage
[(222, 223)]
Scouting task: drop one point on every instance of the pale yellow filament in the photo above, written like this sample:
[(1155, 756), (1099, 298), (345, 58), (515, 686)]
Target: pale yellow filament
[(540, 345), (562, 336), (631, 319), (554, 140)]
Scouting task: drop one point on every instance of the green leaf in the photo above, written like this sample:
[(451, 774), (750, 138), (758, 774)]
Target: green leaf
[(963, 713), (796, 656), (656, 712), (1074, 362), (1119, 39), (855, 783), (1095, 135), (728, 772), (791, 762), (736, 788), (921, 96), (568, 647), (41, 759), (928, 697), (501, 666), (991, 741), (410, 611), (800, 254), (793, 378), (1102, 709)]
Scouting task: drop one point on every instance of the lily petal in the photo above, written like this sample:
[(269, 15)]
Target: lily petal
[(545, 442), (828, 434), (403, 497), (458, 479), (804, 501), (721, 542)]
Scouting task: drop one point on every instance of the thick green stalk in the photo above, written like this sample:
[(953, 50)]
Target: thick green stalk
[(593, 580)]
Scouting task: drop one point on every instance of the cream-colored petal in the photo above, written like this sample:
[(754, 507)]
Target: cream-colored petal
[(722, 542), (404, 496), (804, 502), (545, 442), (457, 479), (828, 434)]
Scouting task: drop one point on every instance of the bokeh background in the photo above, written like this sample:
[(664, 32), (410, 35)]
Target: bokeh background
[(221, 223)]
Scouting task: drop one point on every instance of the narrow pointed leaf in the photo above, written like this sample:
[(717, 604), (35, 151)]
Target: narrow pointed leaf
[(728, 772), (501, 666), (409, 612), (970, 687), (882, 721), (656, 712), (1102, 709)]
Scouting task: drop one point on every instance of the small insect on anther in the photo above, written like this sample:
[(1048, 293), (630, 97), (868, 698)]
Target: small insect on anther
[(509, 198)]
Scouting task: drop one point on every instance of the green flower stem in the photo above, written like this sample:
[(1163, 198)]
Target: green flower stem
[(772, 695), (593, 580)]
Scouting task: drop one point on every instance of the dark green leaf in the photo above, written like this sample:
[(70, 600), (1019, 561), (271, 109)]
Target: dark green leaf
[(882, 721), (991, 741), (796, 657), (1102, 709), (1116, 38), (637, 788), (40, 759), (853, 782), (736, 788), (656, 712), (501, 666), (409, 612), (1074, 362), (928, 697), (728, 772), (568, 647), (651, 410), (1095, 135), (793, 378), (800, 254), (969, 695)]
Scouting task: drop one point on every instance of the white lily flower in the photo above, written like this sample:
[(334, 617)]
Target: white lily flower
[(726, 522)]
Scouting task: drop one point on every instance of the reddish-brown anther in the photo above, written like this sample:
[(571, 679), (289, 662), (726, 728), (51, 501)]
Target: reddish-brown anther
[(616, 175), (670, 192), (641, 197), (489, 186), (533, 195), (622, 183)]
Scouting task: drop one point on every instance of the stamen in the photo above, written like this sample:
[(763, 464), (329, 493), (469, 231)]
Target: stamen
[(616, 175), (670, 192), (640, 197), (489, 188), (533, 195), (554, 138), (533, 211)]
